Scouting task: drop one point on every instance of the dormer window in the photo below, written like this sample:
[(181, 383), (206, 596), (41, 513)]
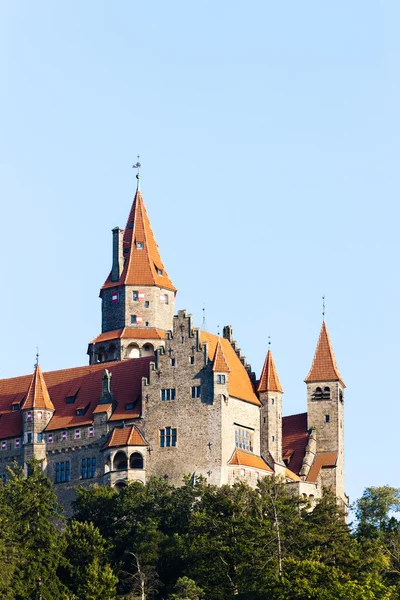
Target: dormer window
[(15, 406), (129, 406), (139, 245), (159, 271), (81, 410)]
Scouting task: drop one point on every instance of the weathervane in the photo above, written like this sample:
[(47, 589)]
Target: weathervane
[(138, 176), (323, 308), (269, 342), (37, 356)]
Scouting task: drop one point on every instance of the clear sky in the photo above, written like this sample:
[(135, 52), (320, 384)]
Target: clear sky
[(269, 142)]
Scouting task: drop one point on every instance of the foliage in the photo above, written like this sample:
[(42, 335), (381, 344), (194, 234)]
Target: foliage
[(194, 542)]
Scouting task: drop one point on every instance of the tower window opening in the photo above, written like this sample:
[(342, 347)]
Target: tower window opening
[(133, 319), (147, 304), (273, 401), (191, 360), (135, 296), (172, 362), (221, 379), (327, 419), (139, 245), (326, 393)]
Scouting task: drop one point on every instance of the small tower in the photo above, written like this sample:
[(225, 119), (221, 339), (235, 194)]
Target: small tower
[(37, 410), (270, 394), (137, 297), (325, 410), (221, 373)]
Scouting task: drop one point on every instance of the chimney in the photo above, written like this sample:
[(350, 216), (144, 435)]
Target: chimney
[(118, 255)]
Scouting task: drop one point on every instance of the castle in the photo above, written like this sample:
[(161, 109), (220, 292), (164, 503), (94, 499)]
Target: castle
[(163, 398)]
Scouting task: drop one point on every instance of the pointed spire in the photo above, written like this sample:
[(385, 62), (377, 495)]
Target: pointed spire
[(38, 394), (220, 363), (324, 367), (143, 264), (269, 380)]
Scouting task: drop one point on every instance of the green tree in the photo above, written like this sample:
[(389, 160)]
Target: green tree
[(34, 518), (99, 583), (186, 589)]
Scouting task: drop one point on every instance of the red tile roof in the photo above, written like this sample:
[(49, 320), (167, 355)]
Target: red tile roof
[(130, 333), (239, 385), (246, 459), (324, 367), (142, 266), (321, 460), (269, 380), (220, 365), (125, 436), (126, 387), (294, 440), (38, 395)]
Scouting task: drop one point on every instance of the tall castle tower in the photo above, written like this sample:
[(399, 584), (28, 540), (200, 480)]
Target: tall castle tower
[(137, 297), (325, 409), (270, 393)]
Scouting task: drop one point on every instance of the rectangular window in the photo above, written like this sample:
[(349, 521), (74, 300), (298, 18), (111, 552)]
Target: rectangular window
[(326, 418), (84, 473), (133, 319), (4, 445), (29, 416), (167, 437), (40, 437), (220, 378), (15, 406), (17, 443), (62, 472), (147, 304), (64, 435), (50, 438), (168, 394), (114, 297), (196, 391), (244, 438), (91, 431), (191, 360), (29, 438), (77, 434), (135, 296), (172, 362)]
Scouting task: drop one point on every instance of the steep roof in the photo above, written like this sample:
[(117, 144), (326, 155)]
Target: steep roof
[(294, 440), (38, 394), (321, 460), (143, 265), (239, 383), (324, 367), (245, 459), (269, 380), (220, 365), (85, 384), (125, 436)]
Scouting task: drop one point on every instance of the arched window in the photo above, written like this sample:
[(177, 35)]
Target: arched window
[(107, 465), (147, 350), (133, 351), (112, 352), (136, 461), (120, 461), (327, 393), (318, 393), (120, 485)]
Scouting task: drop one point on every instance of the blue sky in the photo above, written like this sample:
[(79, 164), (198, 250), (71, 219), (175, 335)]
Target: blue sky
[(269, 143)]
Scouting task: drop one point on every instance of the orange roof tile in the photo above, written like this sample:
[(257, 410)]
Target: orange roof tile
[(38, 395), (240, 385), (290, 475), (142, 266), (245, 459), (324, 367), (126, 387), (269, 380), (220, 365), (322, 459), (294, 440), (131, 333), (125, 436)]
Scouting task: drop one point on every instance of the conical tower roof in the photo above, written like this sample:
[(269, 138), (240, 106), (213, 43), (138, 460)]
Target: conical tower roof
[(269, 380), (143, 264), (220, 363), (38, 394), (324, 367)]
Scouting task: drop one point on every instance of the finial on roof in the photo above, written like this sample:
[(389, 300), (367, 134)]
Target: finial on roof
[(37, 356), (323, 309), (269, 342), (203, 323), (138, 176), (218, 329)]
